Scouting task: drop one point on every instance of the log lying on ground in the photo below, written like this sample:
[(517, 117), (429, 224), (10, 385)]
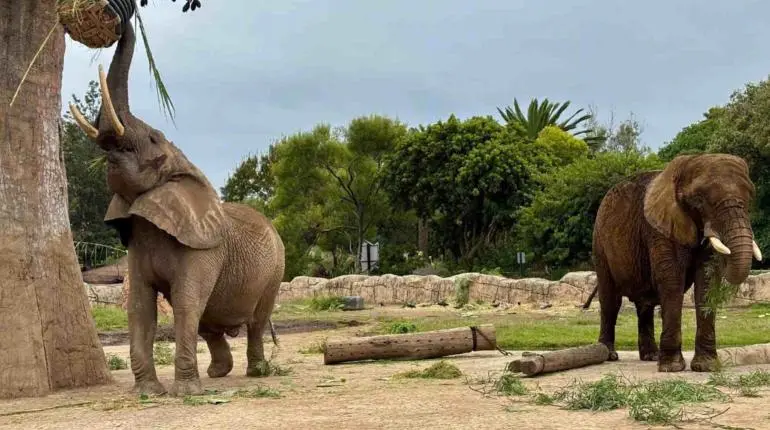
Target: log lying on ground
[(744, 355), (553, 361), (431, 344)]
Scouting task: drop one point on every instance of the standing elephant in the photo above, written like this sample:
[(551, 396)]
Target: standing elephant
[(652, 236), (220, 265)]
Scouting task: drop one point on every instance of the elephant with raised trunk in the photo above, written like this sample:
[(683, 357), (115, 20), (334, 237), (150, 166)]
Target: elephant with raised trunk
[(220, 265), (652, 237)]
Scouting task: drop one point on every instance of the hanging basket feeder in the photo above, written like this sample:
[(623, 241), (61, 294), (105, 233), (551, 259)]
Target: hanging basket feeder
[(95, 23)]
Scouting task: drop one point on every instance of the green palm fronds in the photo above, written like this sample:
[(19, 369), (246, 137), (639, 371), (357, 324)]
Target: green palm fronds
[(540, 115), (163, 96)]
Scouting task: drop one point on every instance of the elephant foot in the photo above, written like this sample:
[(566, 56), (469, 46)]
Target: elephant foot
[(702, 363), (218, 369), (259, 369), (646, 355), (149, 387), (189, 387), (613, 356), (671, 364)]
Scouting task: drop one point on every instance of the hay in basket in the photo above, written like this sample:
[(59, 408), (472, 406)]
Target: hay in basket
[(95, 23)]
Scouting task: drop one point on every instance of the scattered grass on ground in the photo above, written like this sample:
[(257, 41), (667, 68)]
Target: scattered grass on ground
[(654, 402), (163, 354), (115, 362), (746, 385), (439, 370), (260, 391), (318, 347)]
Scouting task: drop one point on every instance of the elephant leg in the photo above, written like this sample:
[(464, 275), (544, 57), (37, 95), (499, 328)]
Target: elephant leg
[(255, 350), (670, 358), (221, 357), (142, 321), (190, 292), (705, 356), (645, 315), (610, 301)]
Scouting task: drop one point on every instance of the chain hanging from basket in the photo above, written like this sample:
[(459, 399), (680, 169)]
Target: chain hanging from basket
[(95, 23)]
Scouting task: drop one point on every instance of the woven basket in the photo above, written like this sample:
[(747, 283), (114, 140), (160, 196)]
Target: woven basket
[(95, 23)]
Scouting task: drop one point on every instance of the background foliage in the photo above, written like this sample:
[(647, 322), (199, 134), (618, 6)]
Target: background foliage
[(454, 195)]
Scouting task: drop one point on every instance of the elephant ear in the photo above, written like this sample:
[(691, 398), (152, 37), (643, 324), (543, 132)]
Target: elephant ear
[(186, 209), (661, 206), (117, 216)]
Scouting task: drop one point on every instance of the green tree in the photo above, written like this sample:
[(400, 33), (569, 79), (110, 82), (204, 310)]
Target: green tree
[(695, 138), (330, 183), (742, 129), (556, 227), (466, 177), (87, 189), (251, 180), (540, 115)]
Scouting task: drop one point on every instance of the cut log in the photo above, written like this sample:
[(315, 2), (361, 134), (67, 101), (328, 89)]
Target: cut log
[(744, 355), (554, 361), (431, 344)]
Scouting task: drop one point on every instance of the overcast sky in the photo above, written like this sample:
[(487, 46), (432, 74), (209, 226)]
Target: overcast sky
[(243, 73)]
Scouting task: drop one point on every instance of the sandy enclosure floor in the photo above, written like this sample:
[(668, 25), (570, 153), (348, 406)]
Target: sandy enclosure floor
[(314, 396)]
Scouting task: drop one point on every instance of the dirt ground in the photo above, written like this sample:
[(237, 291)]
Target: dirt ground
[(354, 396)]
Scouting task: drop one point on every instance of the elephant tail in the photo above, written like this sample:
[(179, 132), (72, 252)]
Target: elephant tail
[(272, 331), (587, 304)]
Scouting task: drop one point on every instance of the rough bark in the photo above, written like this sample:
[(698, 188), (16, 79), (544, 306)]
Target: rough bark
[(48, 339), (429, 344), (565, 359)]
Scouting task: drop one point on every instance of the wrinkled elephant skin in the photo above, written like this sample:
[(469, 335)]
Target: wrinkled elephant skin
[(652, 237), (220, 265)]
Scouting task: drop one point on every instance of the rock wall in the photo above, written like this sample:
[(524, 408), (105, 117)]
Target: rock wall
[(573, 288)]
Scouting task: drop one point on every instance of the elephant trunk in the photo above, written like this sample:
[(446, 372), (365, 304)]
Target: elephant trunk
[(739, 238), (114, 86)]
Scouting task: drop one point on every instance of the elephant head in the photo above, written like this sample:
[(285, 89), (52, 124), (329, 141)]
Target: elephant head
[(149, 176), (706, 197)]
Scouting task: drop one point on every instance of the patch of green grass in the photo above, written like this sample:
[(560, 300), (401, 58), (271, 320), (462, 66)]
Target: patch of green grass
[(326, 303), (115, 362), (111, 318), (268, 368), (163, 354), (402, 327), (439, 370)]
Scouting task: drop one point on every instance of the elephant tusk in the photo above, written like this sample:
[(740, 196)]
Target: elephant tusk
[(107, 103), (719, 246), (757, 252), (83, 123)]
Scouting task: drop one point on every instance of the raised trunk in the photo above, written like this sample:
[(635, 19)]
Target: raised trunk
[(117, 79), (48, 338)]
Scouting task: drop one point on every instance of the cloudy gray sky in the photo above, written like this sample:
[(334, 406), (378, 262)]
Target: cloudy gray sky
[(243, 73)]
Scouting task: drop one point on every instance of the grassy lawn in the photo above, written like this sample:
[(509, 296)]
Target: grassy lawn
[(735, 327), (531, 330), (112, 318)]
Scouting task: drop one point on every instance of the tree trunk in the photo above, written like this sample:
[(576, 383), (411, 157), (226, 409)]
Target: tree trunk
[(422, 235), (48, 338)]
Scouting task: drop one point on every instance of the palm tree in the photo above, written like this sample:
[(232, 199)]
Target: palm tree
[(541, 115)]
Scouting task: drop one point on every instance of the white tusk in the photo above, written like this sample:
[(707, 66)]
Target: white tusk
[(107, 103), (83, 123), (719, 246), (757, 252)]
